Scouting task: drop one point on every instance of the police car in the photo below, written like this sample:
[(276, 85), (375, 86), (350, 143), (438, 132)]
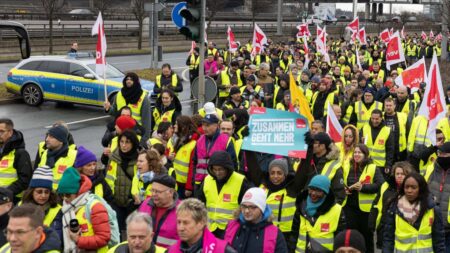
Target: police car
[(70, 78)]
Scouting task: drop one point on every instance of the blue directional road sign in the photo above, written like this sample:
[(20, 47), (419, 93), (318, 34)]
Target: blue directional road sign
[(178, 20)]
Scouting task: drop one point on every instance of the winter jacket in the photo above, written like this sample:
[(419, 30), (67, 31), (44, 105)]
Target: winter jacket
[(122, 185), (301, 211), (57, 224), (441, 198), (99, 179), (437, 235), (166, 83), (250, 237), (52, 242), (99, 220), (175, 105), (3, 224), (22, 162)]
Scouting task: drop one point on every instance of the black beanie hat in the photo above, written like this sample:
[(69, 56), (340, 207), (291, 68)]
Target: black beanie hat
[(350, 238), (221, 158), (59, 132), (165, 179)]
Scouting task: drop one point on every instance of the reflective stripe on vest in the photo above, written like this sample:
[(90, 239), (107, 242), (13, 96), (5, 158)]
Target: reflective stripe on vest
[(330, 169), (194, 62), (165, 117), (379, 205), (86, 227), (363, 114), (402, 118), (377, 147), (320, 235), (281, 201), (329, 100), (60, 166), (203, 155), (366, 199), (408, 239), (221, 205), (417, 134), (225, 78), (135, 108), (174, 80), (51, 215), (182, 160)]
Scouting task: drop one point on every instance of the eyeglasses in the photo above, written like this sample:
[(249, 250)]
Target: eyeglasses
[(18, 233), (246, 207), (156, 192), (41, 191)]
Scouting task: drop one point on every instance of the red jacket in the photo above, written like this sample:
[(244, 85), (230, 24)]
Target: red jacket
[(100, 222)]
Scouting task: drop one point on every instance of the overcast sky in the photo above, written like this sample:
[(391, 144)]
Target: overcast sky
[(396, 8)]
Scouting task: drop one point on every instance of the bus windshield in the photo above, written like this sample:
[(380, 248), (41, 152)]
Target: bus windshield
[(22, 35)]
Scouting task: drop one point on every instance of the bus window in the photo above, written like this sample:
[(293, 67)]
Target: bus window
[(22, 36)]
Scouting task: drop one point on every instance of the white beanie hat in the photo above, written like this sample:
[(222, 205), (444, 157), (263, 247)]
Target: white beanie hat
[(209, 108), (256, 196)]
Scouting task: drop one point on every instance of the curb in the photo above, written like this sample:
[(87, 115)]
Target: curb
[(4, 101)]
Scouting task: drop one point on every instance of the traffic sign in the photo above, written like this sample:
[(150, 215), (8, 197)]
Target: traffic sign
[(177, 19)]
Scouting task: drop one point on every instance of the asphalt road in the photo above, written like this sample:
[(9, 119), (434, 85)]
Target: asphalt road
[(86, 123)]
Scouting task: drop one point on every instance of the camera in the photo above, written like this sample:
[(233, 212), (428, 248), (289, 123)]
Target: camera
[(74, 226)]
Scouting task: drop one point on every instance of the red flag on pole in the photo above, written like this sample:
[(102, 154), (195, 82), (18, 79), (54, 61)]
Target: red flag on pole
[(362, 36), (424, 35), (384, 35), (100, 61), (354, 25), (232, 43), (431, 34), (259, 40), (433, 106), (303, 31), (413, 75), (334, 128), (394, 51)]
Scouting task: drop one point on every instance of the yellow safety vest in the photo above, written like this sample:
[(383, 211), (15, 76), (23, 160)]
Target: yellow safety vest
[(379, 204), (115, 142), (86, 227), (405, 108), (329, 100), (158, 249), (281, 201), (320, 235), (418, 133), (202, 113), (182, 159), (8, 174), (137, 185), (363, 114), (42, 148), (154, 141), (165, 117), (7, 249), (402, 118), (377, 147), (111, 174), (258, 60), (135, 108), (283, 65), (331, 168), (225, 78), (51, 215), (60, 166), (221, 205), (174, 80), (194, 63), (408, 239), (411, 51)]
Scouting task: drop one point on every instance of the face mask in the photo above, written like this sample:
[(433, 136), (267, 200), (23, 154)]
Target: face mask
[(444, 162)]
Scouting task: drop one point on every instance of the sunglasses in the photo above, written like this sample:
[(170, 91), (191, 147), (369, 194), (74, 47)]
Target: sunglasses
[(42, 191)]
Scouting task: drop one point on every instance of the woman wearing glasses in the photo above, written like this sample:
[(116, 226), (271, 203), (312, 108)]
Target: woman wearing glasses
[(40, 193)]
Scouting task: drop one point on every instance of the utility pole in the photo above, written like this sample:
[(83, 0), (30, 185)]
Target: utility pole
[(201, 67), (355, 9), (155, 36), (280, 18), (444, 29)]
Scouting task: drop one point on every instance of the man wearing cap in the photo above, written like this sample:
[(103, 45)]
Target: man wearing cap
[(227, 78), (349, 241), (438, 180), (221, 191), (318, 218), (322, 98), (362, 110), (210, 108), (58, 156), (235, 101), (161, 207), (252, 90), (379, 139), (252, 230), (15, 163), (325, 161), (207, 145), (6, 204)]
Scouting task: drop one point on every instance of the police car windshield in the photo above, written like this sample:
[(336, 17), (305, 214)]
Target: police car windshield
[(111, 71)]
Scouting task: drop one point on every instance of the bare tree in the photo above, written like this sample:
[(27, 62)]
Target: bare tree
[(102, 5), (213, 6), (405, 16), (51, 8), (137, 7)]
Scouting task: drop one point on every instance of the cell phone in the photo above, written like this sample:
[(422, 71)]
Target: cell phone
[(74, 226)]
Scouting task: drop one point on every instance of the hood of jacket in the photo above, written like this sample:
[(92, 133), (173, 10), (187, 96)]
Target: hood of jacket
[(220, 158), (15, 142), (52, 242), (334, 152), (350, 126), (85, 185)]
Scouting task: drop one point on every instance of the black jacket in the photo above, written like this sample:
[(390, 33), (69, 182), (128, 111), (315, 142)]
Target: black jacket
[(319, 104), (323, 209), (3, 224), (52, 242), (166, 83), (22, 162), (437, 234)]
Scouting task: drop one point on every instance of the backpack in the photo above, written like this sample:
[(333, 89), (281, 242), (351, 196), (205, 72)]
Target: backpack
[(112, 217)]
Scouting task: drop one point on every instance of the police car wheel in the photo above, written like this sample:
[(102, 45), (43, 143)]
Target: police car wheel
[(32, 95)]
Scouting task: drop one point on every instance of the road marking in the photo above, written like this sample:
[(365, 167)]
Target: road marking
[(82, 121), (125, 62), (188, 101), (180, 68), (183, 75)]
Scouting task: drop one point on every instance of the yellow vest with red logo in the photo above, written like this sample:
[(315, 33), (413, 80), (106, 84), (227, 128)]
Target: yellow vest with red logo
[(135, 108), (8, 174), (60, 166), (409, 239), (182, 159), (280, 201), (363, 114), (377, 147), (86, 227), (165, 117), (221, 205)]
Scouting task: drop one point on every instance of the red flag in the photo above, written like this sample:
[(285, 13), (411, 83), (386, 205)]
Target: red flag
[(438, 37), (413, 76), (354, 25), (232, 43), (303, 31), (394, 51), (423, 35), (431, 34), (100, 52), (433, 107), (384, 35), (362, 36), (259, 40), (334, 128), (391, 31)]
